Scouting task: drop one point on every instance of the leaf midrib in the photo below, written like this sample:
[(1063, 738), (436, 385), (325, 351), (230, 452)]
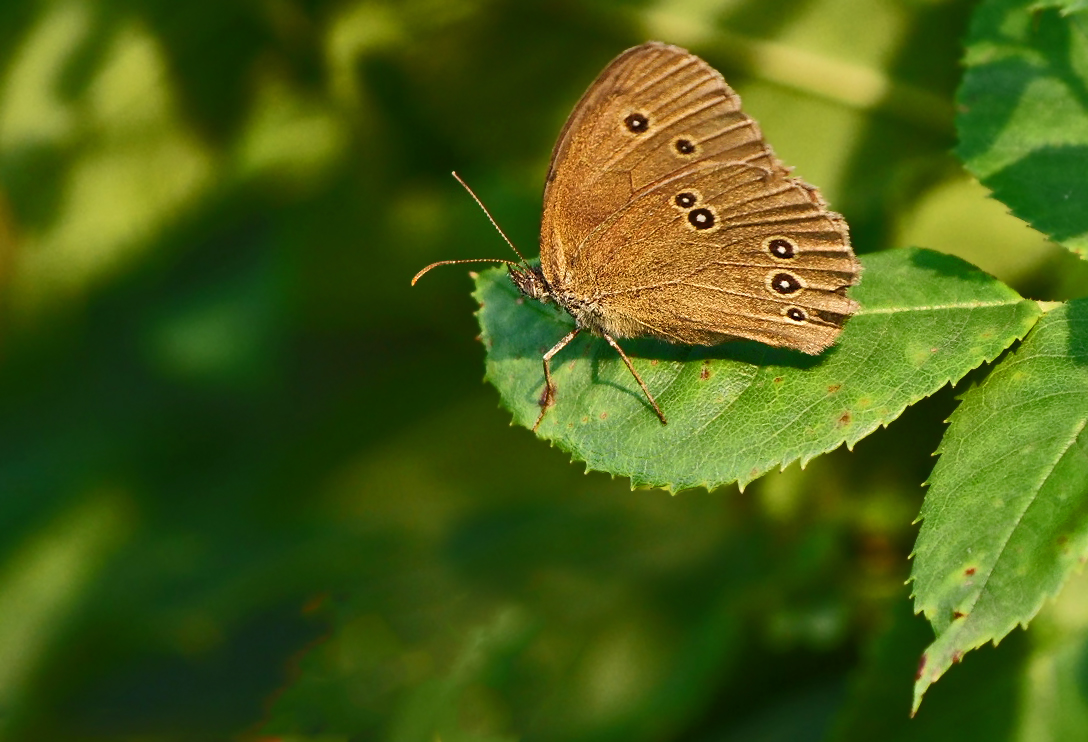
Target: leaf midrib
[(1033, 496), (938, 307)]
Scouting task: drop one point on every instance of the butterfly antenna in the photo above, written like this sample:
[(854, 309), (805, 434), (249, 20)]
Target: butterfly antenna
[(419, 275), (489, 217), (494, 224)]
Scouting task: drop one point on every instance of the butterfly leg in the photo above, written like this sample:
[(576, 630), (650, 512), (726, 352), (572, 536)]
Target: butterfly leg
[(638, 378), (547, 399)]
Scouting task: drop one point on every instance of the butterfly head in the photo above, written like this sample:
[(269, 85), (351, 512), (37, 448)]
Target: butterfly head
[(531, 282)]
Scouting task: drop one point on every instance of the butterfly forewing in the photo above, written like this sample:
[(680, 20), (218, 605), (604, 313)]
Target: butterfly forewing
[(604, 154), (667, 210)]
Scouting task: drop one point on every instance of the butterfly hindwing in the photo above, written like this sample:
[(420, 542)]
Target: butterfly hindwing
[(724, 251)]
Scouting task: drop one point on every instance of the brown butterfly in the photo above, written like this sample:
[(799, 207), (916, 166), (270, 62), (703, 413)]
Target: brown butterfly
[(666, 214)]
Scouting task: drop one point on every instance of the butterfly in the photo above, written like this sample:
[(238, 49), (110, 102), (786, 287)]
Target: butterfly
[(666, 214)]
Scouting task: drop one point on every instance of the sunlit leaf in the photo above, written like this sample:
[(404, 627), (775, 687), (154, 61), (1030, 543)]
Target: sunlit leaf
[(738, 410), (1006, 517)]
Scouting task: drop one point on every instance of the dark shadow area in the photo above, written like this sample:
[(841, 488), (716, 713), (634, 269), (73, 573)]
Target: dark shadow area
[(1077, 316), (212, 695), (214, 50), (1046, 188), (949, 266)]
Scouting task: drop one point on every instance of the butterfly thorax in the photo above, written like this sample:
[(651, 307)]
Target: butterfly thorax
[(587, 313)]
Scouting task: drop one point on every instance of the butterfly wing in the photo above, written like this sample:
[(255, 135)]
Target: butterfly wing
[(657, 144), (600, 160), (720, 251)]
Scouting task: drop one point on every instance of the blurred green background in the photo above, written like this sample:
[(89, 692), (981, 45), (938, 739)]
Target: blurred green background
[(251, 480)]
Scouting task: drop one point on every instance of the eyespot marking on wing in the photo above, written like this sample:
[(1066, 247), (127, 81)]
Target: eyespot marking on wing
[(780, 247), (637, 123), (784, 283), (684, 146), (702, 218), (686, 199)]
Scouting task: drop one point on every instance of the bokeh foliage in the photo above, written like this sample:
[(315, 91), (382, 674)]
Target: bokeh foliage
[(250, 480)]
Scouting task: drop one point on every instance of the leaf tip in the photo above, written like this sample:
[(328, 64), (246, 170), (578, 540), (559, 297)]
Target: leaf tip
[(921, 684)]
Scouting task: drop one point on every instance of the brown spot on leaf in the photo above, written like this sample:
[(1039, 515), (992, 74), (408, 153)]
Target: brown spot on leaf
[(778, 380), (957, 656), (921, 667), (704, 373), (834, 388), (604, 415), (845, 418), (969, 571), (653, 362), (957, 615)]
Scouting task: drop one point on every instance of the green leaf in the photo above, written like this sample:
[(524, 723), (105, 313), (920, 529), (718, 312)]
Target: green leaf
[(1006, 517), (739, 409), (988, 691), (1023, 124)]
